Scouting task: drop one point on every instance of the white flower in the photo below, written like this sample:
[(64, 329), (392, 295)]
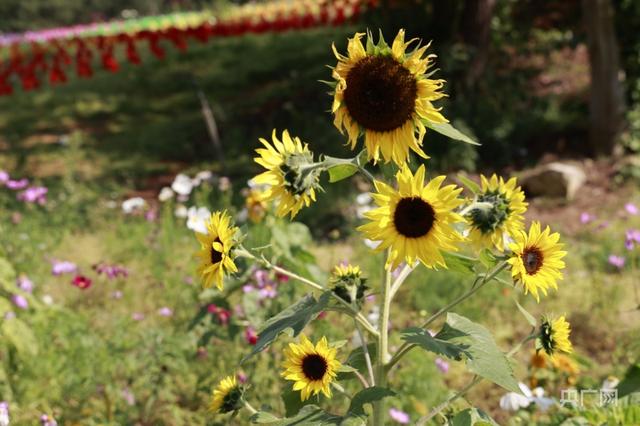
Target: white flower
[(370, 243), (197, 218), (224, 184), (47, 299), (182, 184), (166, 194), (133, 204), (610, 383), (364, 199), (513, 401), (203, 176), (181, 211)]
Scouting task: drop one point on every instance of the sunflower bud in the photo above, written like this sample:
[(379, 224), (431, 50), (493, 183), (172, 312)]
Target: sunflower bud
[(348, 283), (300, 174), (227, 396)]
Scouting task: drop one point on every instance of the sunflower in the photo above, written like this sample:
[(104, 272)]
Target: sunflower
[(227, 396), (312, 368), (536, 259), (416, 220), (290, 179), (489, 226), (348, 283), (554, 336), (384, 93), (215, 250), (256, 205)]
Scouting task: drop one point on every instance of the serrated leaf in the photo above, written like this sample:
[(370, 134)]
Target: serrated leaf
[(293, 403), (459, 263), (487, 258), (471, 185), (293, 320), (422, 338), (309, 415), (368, 396), (20, 336), (530, 319), (472, 417), (449, 131), (341, 171), (483, 357), (262, 417)]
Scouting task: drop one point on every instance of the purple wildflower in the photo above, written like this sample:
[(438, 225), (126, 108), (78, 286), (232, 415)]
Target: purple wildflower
[(4, 177), (111, 271), (20, 301), (165, 311), (632, 237), (617, 261), (442, 365), (63, 267), (586, 218), (399, 416), (17, 184), (4, 413), (631, 208), (46, 420), (137, 316), (34, 194), (24, 283)]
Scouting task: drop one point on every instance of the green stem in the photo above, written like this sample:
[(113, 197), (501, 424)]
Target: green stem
[(383, 348), (400, 279), (249, 407), (406, 347), (367, 357)]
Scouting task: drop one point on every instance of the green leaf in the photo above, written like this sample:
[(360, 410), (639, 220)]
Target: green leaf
[(310, 415), (487, 258), (293, 403), (459, 263), (368, 396), (20, 336), (5, 306), (530, 319), (292, 320), (472, 417), (7, 274), (422, 338), (341, 171), (483, 357), (631, 381), (449, 131), (356, 359), (471, 185), (262, 417)]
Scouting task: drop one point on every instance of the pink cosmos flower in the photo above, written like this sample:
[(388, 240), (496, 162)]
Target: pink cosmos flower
[(4, 177), (617, 261), (165, 311), (34, 194), (399, 416), (632, 209), (20, 301), (632, 237), (17, 184), (24, 283), (586, 218), (63, 267), (81, 282), (251, 336), (137, 316), (442, 365)]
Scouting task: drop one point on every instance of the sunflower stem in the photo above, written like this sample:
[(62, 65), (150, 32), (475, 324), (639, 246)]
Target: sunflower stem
[(475, 381), (249, 407), (367, 357), (406, 347), (400, 279), (383, 346)]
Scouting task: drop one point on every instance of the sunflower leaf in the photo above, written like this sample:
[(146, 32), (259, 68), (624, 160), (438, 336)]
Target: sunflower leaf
[(310, 415), (459, 263), (367, 396), (292, 320), (449, 131), (631, 381), (472, 417), (422, 338), (482, 355), (341, 171), (471, 185)]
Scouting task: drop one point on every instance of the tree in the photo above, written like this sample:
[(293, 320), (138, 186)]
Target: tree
[(606, 98)]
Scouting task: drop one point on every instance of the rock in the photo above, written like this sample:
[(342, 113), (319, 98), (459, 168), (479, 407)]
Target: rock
[(553, 180)]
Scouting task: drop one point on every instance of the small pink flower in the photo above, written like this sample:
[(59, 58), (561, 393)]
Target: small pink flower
[(632, 238), (242, 378), (24, 283), (399, 416), (251, 336), (81, 282), (165, 311), (17, 184), (117, 294), (617, 261), (4, 177), (442, 365), (151, 215), (586, 218), (137, 316), (63, 267), (20, 301), (632, 209)]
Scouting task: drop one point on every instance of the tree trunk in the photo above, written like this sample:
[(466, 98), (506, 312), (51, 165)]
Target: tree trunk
[(476, 33), (606, 98)]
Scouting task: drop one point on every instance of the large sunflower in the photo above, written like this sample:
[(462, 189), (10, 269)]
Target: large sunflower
[(383, 92), (312, 368), (554, 336), (215, 250), (416, 220), (536, 259), (489, 226), (290, 183), (227, 396)]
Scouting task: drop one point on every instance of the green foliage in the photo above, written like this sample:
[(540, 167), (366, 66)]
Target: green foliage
[(472, 417)]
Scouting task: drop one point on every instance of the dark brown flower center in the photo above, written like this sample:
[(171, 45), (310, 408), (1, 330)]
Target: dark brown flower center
[(216, 256), (381, 93), (314, 367), (532, 259), (413, 217)]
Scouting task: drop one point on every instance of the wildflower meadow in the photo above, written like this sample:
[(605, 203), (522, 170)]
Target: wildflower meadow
[(319, 212)]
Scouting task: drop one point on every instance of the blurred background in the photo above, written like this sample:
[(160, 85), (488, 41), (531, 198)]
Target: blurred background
[(105, 101)]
